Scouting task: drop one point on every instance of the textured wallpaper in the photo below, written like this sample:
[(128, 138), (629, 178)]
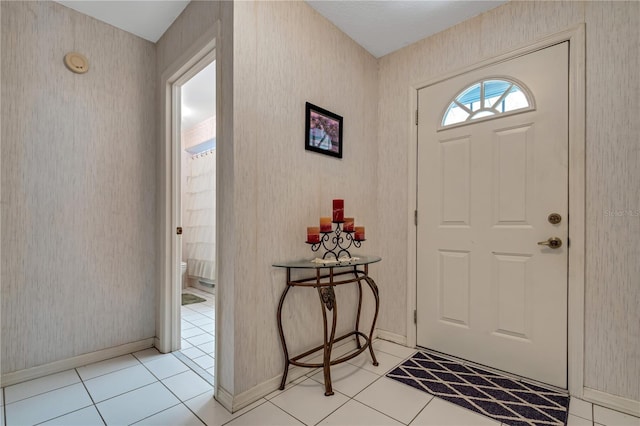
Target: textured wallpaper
[(286, 54), (78, 187), (612, 320), (612, 305)]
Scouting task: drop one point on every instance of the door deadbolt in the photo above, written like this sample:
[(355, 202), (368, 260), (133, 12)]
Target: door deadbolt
[(553, 242), (554, 218), (179, 230)]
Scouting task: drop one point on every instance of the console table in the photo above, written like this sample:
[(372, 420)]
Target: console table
[(327, 276)]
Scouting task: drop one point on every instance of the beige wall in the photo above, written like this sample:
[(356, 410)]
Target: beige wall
[(612, 335), (78, 187), (286, 54)]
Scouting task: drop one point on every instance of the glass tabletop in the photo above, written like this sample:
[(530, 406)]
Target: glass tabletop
[(309, 264)]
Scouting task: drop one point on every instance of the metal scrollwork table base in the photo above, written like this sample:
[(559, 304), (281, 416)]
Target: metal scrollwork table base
[(328, 276)]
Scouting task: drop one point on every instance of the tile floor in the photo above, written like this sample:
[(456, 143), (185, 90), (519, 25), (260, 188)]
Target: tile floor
[(149, 388), (198, 345)]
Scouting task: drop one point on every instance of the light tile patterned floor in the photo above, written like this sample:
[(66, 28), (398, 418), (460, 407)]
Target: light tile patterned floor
[(149, 388)]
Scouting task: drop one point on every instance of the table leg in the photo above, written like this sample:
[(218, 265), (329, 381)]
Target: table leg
[(328, 301), (358, 345), (374, 290), (284, 343)]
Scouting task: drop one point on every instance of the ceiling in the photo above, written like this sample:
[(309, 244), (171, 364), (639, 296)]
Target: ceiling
[(148, 19), (380, 26), (198, 97)]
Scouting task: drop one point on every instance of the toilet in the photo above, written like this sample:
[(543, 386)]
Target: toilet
[(183, 270)]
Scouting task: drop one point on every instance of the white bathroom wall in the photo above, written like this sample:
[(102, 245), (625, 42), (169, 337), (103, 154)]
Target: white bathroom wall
[(199, 220), (199, 203), (78, 161)]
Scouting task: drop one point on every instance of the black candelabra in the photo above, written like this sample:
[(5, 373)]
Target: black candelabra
[(336, 242)]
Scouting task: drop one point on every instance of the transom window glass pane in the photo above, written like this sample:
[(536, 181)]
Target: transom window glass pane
[(485, 99)]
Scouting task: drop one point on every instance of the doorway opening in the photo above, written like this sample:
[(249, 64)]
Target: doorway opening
[(194, 206)]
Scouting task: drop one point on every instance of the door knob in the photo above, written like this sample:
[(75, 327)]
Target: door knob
[(553, 242)]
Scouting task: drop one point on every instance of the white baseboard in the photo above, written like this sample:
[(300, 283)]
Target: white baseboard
[(392, 337), (224, 398), (20, 376), (263, 389), (614, 402)]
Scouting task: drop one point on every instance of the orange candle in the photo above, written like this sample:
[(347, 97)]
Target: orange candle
[(359, 235), (313, 234), (348, 224), (325, 224), (338, 210)]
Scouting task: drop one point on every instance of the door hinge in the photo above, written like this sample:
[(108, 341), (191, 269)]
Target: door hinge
[(415, 316), (416, 117), (415, 217)]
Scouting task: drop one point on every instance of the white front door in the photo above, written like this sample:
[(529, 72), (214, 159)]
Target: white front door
[(486, 290)]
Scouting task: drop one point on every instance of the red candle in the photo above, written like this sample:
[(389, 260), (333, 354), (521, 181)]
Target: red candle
[(348, 224), (359, 235), (338, 210), (313, 234), (325, 224)]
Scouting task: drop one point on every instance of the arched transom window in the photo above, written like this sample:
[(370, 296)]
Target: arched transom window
[(487, 99)]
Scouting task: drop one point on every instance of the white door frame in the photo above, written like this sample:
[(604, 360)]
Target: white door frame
[(576, 251), (168, 319)]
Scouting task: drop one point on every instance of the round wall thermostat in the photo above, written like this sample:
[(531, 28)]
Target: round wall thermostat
[(76, 62)]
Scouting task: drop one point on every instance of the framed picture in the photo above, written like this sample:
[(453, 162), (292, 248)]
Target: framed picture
[(323, 131)]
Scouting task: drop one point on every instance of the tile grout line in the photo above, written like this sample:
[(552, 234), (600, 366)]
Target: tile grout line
[(248, 411), (423, 408), (93, 404), (292, 387), (337, 408), (171, 392), (281, 409), (104, 374), (195, 367), (158, 380), (90, 396), (39, 394), (374, 408), (166, 409)]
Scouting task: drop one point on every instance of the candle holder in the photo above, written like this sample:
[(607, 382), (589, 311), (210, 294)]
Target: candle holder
[(337, 242)]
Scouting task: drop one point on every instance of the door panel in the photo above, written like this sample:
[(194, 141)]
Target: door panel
[(486, 291)]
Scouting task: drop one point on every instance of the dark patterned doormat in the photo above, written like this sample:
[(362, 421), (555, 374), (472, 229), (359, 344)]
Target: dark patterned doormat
[(510, 401)]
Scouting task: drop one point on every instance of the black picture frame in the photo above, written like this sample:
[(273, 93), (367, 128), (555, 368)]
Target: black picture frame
[(323, 131)]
